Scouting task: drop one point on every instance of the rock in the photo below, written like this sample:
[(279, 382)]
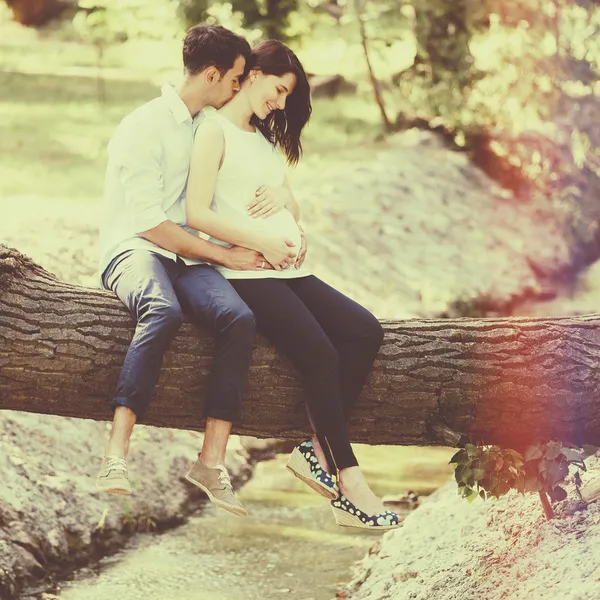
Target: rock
[(408, 501), (52, 518)]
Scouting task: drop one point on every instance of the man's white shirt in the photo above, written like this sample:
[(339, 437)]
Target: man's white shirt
[(148, 163)]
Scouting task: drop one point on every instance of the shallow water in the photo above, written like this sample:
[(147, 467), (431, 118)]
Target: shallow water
[(288, 547)]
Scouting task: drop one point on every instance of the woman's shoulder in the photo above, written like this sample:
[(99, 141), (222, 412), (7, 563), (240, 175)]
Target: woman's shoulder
[(209, 128)]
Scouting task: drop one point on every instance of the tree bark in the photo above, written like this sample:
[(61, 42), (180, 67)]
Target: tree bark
[(505, 381)]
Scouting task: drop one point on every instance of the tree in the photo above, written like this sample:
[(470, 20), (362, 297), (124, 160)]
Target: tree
[(501, 381), (270, 16), (35, 13)]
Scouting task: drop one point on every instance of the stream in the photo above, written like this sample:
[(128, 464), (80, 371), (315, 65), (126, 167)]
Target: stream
[(288, 547)]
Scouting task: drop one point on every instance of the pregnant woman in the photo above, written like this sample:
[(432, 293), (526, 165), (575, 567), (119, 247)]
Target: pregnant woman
[(238, 194)]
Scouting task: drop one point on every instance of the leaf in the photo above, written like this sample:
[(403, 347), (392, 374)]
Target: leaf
[(499, 463), (557, 494), (471, 496), (489, 464), (533, 452), (589, 449), (482, 494), (494, 480), (479, 474), (460, 457), (557, 473), (572, 455), (533, 484), (462, 473), (502, 488), (470, 448), (553, 449)]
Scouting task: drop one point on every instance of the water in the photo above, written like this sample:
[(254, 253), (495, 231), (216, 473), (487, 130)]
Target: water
[(289, 547)]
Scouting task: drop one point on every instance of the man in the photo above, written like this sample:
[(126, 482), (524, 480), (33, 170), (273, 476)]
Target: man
[(155, 264)]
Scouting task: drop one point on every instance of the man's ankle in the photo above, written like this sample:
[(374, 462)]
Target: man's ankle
[(116, 452), (211, 461)]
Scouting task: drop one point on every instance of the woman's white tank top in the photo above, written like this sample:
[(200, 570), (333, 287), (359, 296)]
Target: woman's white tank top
[(251, 161)]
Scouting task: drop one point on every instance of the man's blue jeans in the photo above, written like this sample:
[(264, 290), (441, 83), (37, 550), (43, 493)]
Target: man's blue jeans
[(157, 290)]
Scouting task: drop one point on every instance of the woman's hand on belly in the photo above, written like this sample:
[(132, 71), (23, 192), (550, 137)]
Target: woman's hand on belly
[(279, 251), (269, 201)]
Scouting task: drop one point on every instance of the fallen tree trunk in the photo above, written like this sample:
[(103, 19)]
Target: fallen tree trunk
[(505, 381)]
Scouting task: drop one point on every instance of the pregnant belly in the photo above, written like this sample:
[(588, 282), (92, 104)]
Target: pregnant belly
[(281, 224)]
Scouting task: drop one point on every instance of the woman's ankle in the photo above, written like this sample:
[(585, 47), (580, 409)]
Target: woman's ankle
[(320, 454), (351, 477)]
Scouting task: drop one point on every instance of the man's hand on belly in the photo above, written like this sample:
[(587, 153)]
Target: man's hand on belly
[(242, 259)]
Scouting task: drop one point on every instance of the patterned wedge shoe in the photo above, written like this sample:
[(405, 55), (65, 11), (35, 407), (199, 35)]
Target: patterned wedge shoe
[(347, 515), (304, 464)]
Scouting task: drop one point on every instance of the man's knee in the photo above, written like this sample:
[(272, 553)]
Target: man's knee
[(163, 317), (237, 320)]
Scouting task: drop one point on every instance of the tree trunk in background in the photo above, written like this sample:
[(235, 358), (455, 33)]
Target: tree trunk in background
[(374, 81), (36, 13), (443, 37), (505, 381)]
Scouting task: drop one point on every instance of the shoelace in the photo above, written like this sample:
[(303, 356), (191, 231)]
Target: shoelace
[(224, 477), (114, 463)]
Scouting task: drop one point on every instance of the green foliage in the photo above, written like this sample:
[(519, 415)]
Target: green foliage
[(104, 22), (490, 471), (271, 17), (487, 471)]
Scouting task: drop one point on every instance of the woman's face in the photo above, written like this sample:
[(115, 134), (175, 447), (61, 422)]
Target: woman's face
[(269, 92)]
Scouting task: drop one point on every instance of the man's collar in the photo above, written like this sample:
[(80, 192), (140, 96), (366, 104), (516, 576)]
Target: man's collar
[(176, 104)]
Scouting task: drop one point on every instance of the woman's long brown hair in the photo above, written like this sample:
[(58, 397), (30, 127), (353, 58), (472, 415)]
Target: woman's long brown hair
[(283, 127)]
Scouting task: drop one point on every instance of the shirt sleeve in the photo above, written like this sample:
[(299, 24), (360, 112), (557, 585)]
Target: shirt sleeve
[(136, 157)]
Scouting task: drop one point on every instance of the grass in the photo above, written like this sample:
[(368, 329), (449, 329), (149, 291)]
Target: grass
[(55, 128), (54, 133)]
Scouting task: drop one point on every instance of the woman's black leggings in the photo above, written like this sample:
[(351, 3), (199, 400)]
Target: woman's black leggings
[(331, 340)]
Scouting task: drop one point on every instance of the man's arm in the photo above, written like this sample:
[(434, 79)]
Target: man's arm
[(172, 237), (139, 160)]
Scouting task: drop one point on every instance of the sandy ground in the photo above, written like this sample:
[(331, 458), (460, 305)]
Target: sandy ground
[(495, 550)]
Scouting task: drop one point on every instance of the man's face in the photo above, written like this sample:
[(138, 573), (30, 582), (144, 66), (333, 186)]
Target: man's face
[(229, 84)]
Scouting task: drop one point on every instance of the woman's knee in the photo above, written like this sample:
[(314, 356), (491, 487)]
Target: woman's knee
[(323, 356), (376, 333)]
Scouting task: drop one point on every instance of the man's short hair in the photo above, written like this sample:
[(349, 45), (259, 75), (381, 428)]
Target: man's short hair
[(212, 46)]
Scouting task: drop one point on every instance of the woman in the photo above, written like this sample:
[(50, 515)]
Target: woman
[(237, 193)]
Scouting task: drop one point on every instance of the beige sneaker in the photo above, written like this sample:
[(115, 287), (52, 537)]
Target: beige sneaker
[(215, 483), (112, 477), (590, 492)]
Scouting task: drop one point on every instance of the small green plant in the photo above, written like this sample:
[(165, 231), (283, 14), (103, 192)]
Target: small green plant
[(142, 522), (491, 471)]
